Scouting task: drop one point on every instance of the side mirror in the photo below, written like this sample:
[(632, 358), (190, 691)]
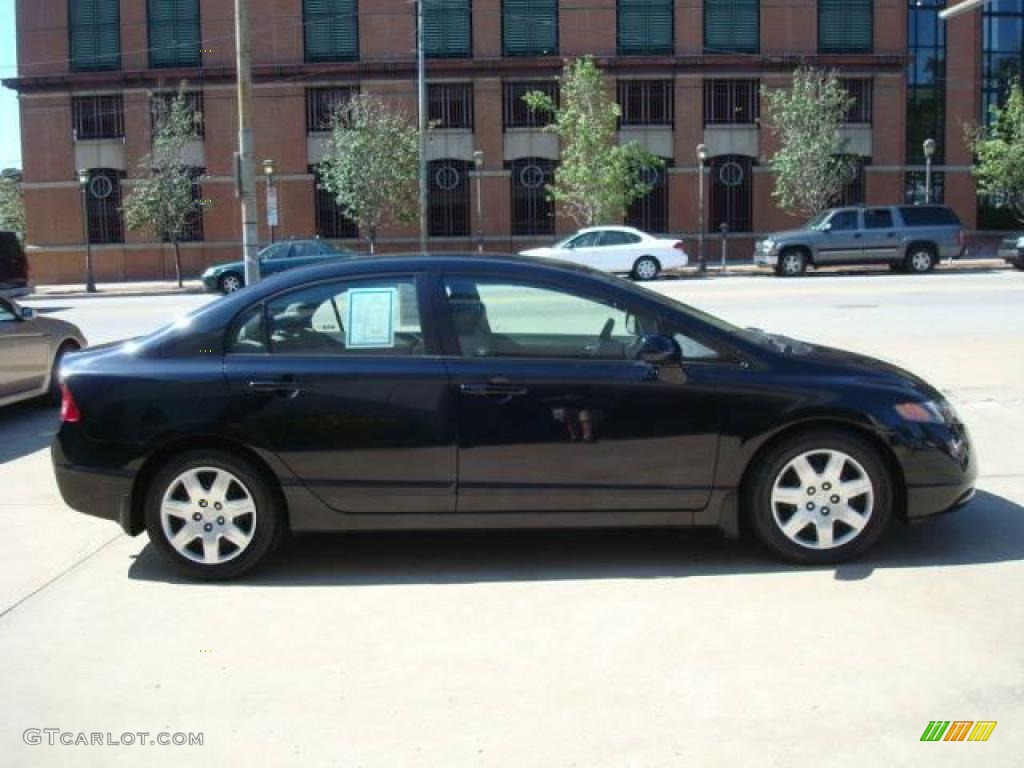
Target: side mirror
[(826, 227), (659, 350), (27, 313)]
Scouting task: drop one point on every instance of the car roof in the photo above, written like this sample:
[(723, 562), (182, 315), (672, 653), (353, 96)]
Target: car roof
[(611, 227)]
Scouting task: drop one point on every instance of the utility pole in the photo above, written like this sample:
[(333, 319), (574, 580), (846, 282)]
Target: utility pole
[(244, 175), (421, 94)]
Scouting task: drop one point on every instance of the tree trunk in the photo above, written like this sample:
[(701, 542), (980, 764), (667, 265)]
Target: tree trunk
[(177, 262)]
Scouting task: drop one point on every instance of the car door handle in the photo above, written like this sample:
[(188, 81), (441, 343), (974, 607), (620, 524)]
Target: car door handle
[(285, 386), (856, 235), (482, 389)]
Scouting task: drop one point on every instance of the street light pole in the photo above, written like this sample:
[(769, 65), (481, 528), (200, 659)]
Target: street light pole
[(83, 182), (478, 162), (702, 155), (245, 177), (421, 99), (929, 153)]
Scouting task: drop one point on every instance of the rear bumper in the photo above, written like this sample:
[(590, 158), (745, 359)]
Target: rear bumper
[(100, 493)]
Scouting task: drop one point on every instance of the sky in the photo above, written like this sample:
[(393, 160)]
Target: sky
[(10, 135)]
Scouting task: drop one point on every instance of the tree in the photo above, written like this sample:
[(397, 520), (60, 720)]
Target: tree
[(161, 199), (811, 167), (12, 204), (596, 178), (999, 151), (371, 164)]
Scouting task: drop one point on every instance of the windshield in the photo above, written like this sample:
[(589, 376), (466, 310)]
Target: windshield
[(818, 220)]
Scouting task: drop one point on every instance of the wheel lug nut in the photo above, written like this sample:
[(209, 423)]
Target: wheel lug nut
[(202, 503), (835, 499), (811, 491), (220, 521), (208, 527), (810, 506), (197, 517), (824, 511), (217, 506)]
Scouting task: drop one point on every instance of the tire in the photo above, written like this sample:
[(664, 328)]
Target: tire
[(646, 268), (230, 282), (854, 523), (222, 543), (53, 395), (920, 260), (1019, 264), (792, 263)]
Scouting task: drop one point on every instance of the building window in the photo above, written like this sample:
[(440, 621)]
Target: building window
[(331, 29), (1002, 51), (447, 29), (855, 192), (448, 198), (174, 36), (103, 206), (731, 102), (322, 103), (517, 114), (532, 212), (732, 26), (914, 187), (926, 79), (861, 91), (645, 26), (94, 27), (331, 221), (529, 27), (732, 192), (98, 117), (646, 102), (160, 102), (650, 212), (450, 105), (845, 26)]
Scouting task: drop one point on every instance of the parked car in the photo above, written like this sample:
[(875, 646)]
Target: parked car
[(13, 265), (287, 254), (622, 250), (31, 351), (432, 392), (1013, 251), (910, 238)]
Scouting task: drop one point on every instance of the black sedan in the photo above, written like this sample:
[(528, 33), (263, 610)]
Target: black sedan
[(499, 392)]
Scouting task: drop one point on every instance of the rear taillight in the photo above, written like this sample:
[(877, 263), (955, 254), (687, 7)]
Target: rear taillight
[(679, 245), (69, 412)]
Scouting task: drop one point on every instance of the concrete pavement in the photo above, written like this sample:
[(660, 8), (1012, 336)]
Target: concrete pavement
[(548, 649)]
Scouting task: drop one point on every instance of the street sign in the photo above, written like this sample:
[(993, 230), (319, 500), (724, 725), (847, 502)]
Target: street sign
[(271, 206)]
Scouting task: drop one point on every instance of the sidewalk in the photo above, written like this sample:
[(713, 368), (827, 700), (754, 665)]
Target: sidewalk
[(131, 288)]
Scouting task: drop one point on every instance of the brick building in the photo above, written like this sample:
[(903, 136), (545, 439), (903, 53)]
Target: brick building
[(686, 72)]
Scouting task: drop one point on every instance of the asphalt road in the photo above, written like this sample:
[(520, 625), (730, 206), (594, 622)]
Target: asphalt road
[(547, 649)]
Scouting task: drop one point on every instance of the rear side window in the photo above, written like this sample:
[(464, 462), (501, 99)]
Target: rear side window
[(878, 218), (929, 216), (614, 237), (357, 317)]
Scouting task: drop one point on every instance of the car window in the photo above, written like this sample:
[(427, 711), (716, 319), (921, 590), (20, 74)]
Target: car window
[(929, 216), (494, 318), (6, 312), (616, 237), (364, 317), (302, 250), (878, 218), (844, 221), (248, 338), (276, 251), (586, 240)]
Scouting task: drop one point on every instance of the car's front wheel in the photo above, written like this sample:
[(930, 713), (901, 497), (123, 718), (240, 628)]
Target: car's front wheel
[(230, 282), (212, 515), (820, 497), (646, 268), (792, 263)]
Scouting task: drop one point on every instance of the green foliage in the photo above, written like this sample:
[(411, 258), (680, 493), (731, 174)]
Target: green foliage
[(811, 167), (371, 164), (160, 199), (12, 204), (596, 179), (999, 152)]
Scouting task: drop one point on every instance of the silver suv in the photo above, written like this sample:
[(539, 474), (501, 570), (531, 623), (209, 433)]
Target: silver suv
[(911, 238)]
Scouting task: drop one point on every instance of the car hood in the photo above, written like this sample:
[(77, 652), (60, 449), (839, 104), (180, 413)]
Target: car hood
[(790, 234), (231, 266), (542, 252)]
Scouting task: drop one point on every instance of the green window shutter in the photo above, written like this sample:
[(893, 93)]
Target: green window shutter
[(645, 26), (447, 28), (174, 36), (95, 30), (732, 26), (530, 27), (845, 26), (331, 30)]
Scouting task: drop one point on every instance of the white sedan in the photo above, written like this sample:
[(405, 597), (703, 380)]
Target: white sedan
[(617, 249)]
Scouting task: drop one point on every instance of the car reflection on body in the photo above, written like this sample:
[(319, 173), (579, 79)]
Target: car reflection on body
[(434, 392)]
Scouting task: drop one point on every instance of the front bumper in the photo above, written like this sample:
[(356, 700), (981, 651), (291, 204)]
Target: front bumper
[(211, 283), (940, 470), (766, 258)]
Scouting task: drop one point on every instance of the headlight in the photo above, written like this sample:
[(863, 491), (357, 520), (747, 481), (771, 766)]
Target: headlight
[(927, 412)]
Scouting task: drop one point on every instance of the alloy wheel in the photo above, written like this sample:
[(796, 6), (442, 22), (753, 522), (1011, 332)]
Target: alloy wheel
[(921, 261), (822, 499), (646, 269), (792, 263), (208, 515), (230, 283)]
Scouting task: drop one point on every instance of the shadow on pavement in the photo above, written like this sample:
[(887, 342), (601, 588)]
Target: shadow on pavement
[(26, 428), (989, 530)]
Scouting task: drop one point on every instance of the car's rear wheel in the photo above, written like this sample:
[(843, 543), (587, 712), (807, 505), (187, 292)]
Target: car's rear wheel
[(792, 263), (820, 497), (230, 282), (212, 515), (53, 394), (919, 260), (646, 268)]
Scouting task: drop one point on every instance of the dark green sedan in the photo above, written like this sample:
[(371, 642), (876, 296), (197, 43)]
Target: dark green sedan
[(287, 254)]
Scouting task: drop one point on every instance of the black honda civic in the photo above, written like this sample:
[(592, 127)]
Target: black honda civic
[(443, 392)]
